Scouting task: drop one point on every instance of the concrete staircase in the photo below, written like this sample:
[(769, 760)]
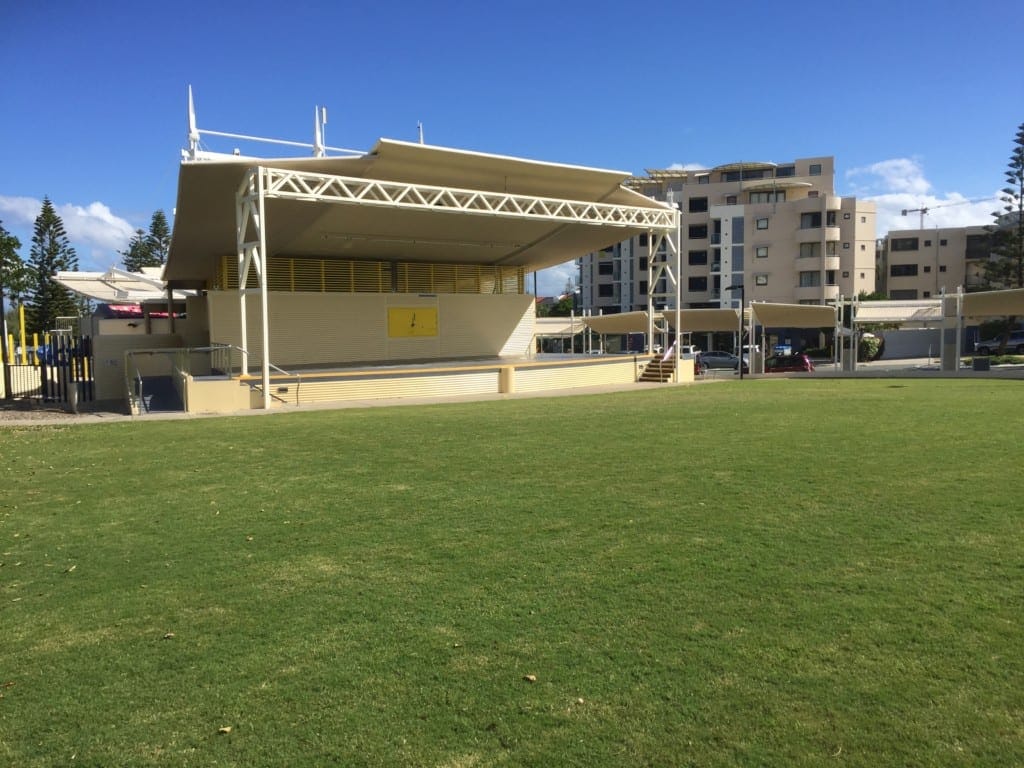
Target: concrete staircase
[(658, 371)]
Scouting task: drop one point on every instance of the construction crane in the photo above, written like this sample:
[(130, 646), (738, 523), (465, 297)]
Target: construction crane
[(926, 209)]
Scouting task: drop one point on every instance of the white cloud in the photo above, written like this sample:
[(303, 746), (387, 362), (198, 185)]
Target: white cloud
[(900, 184), (95, 232), (553, 280)]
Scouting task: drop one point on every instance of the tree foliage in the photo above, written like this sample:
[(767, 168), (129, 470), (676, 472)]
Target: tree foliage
[(1006, 267), (50, 253), (13, 281), (148, 249)]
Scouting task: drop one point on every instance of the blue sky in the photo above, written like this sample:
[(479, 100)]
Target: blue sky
[(917, 101)]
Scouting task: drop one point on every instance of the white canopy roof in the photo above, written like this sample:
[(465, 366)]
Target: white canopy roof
[(118, 286), (793, 315), (408, 229), (994, 303)]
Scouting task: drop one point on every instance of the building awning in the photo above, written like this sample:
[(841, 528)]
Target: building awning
[(625, 322), (118, 286), (793, 315), (411, 230), (993, 303), (704, 320), (558, 327), (899, 312)]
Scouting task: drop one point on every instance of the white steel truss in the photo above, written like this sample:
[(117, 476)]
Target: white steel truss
[(666, 265), (261, 183), (324, 188)]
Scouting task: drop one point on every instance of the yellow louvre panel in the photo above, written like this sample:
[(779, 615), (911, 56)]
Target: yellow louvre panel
[(443, 278), (467, 278), (336, 275), (415, 278), (308, 275), (371, 276), (279, 275), (229, 273)]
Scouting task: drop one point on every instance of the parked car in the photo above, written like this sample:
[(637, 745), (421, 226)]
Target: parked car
[(1015, 344), (719, 358), (788, 364)]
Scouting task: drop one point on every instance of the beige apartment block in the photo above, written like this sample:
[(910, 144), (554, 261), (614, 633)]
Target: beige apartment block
[(922, 263), (778, 229)]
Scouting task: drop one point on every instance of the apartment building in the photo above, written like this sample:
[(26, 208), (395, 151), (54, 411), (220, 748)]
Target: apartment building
[(778, 229), (921, 263)]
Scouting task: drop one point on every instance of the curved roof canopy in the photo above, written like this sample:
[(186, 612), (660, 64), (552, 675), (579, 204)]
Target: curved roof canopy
[(305, 225)]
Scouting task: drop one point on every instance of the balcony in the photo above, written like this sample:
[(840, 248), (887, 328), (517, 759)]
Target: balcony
[(832, 263)]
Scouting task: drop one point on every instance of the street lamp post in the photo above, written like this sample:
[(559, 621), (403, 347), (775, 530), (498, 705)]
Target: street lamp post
[(739, 337)]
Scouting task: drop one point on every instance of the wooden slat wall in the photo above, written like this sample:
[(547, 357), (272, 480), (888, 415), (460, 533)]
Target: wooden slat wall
[(568, 377), (328, 328)]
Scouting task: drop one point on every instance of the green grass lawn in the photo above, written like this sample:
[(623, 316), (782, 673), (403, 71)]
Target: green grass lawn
[(781, 572)]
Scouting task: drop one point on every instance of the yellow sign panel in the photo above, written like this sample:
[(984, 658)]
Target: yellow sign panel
[(405, 322)]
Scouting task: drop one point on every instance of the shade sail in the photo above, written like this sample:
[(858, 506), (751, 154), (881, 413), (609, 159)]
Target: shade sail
[(704, 320), (625, 322), (993, 303), (793, 315), (117, 286), (204, 224), (900, 312)]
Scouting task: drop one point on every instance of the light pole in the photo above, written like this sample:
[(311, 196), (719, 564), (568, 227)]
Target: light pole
[(739, 337)]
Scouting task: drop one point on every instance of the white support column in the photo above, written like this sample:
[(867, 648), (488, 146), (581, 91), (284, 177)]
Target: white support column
[(262, 273), (677, 247), (243, 208)]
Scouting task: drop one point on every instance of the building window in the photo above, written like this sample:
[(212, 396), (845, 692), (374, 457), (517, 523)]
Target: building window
[(813, 193), (761, 252), (696, 258), (846, 246), (927, 243), (927, 294), (643, 287), (810, 220), (705, 179), (643, 263), (942, 241), (642, 240), (942, 268), (606, 290), (698, 204), (903, 244), (903, 270), (605, 268), (846, 217), (809, 250), (847, 274), (810, 279), (761, 223), (908, 294), (760, 279), (863, 219), (785, 171), (830, 277), (767, 197), (815, 169), (698, 231), (698, 284), (927, 268), (830, 219), (830, 247), (730, 199), (863, 247)]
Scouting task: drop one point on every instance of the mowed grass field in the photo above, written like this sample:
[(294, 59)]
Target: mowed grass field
[(795, 573)]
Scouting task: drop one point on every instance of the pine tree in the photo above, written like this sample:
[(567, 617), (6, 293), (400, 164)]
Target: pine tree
[(159, 239), (51, 252), (137, 255), (1006, 268)]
